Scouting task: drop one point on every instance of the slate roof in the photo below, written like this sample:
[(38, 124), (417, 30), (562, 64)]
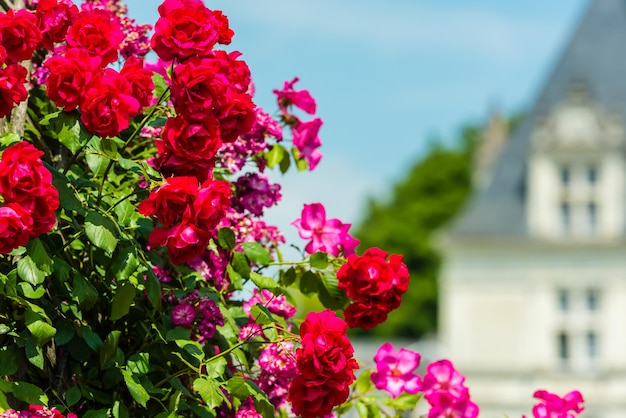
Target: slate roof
[(595, 55)]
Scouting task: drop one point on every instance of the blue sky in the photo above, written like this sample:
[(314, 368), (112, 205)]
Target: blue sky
[(388, 77)]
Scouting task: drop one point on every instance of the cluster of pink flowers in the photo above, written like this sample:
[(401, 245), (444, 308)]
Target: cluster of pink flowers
[(30, 199), (445, 391), (375, 283), (328, 235), (325, 364), (553, 406), (254, 193), (304, 133), (36, 411), (199, 313), (189, 214), (248, 229)]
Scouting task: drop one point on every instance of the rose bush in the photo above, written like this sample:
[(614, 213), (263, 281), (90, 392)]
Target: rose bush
[(137, 277)]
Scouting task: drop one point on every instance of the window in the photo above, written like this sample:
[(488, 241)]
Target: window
[(592, 215), (566, 217), (565, 175), (563, 300), (591, 345), (563, 347), (592, 299), (592, 174)]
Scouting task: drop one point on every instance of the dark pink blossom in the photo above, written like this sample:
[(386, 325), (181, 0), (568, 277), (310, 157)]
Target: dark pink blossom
[(394, 370), (302, 99), (307, 141), (553, 406), (328, 235), (183, 315)]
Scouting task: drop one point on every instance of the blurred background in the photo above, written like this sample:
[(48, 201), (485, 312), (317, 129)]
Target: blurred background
[(485, 141)]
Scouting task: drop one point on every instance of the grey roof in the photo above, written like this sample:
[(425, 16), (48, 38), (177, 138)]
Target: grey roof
[(595, 55)]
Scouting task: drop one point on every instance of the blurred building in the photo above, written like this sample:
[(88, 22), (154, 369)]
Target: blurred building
[(533, 292)]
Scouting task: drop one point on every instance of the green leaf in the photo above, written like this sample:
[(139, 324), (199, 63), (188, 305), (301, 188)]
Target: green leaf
[(124, 264), (120, 410), (216, 368), (364, 382), (122, 301), (92, 339), (263, 282), (137, 391), (288, 277), (41, 331), (261, 315), (404, 401), (29, 393), (84, 293), (159, 85), (275, 155), (45, 121), (153, 289), (96, 161), (261, 402), (309, 282), (256, 253), (240, 265), (178, 333), (100, 413), (100, 231), (108, 147), (29, 292), (329, 293), (226, 238), (126, 212), (210, 392), (139, 364), (9, 360), (238, 388), (285, 163), (8, 139), (65, 332), (108, 347), (319, 260), (72, 395), (28, 270), (67, 196)]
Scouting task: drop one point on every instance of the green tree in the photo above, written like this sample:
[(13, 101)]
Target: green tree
[(430, 195)]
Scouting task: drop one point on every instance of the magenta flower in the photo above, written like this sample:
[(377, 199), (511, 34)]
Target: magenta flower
[(442, 376), (183, 315), (443, 405), (553, 406), (307, 141), (302, 99), (394, 370), (328, 235)]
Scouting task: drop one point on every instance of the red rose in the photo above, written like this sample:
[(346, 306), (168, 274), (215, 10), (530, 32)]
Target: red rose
[(236, 71), (210, 206), (22, 174), (140, 80), (224, 32), (15, 225), (185, 29), (170, 201), (54, 18), (366, 276), (184, 241), (108, 106), (238, 118), (12, 88), (98, 32), (365, 315), (325, 365), (189, 139), (198, 88), (42, 210), (69, 74), (20, 35)]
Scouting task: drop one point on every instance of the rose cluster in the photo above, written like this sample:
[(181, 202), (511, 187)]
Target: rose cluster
[(445, 391), (304, 133), (78, 73), (30, 199), (325, 365), (375, 283), (253, 192), (201, 311), (188, 214), (553, 406), (209, 88)]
